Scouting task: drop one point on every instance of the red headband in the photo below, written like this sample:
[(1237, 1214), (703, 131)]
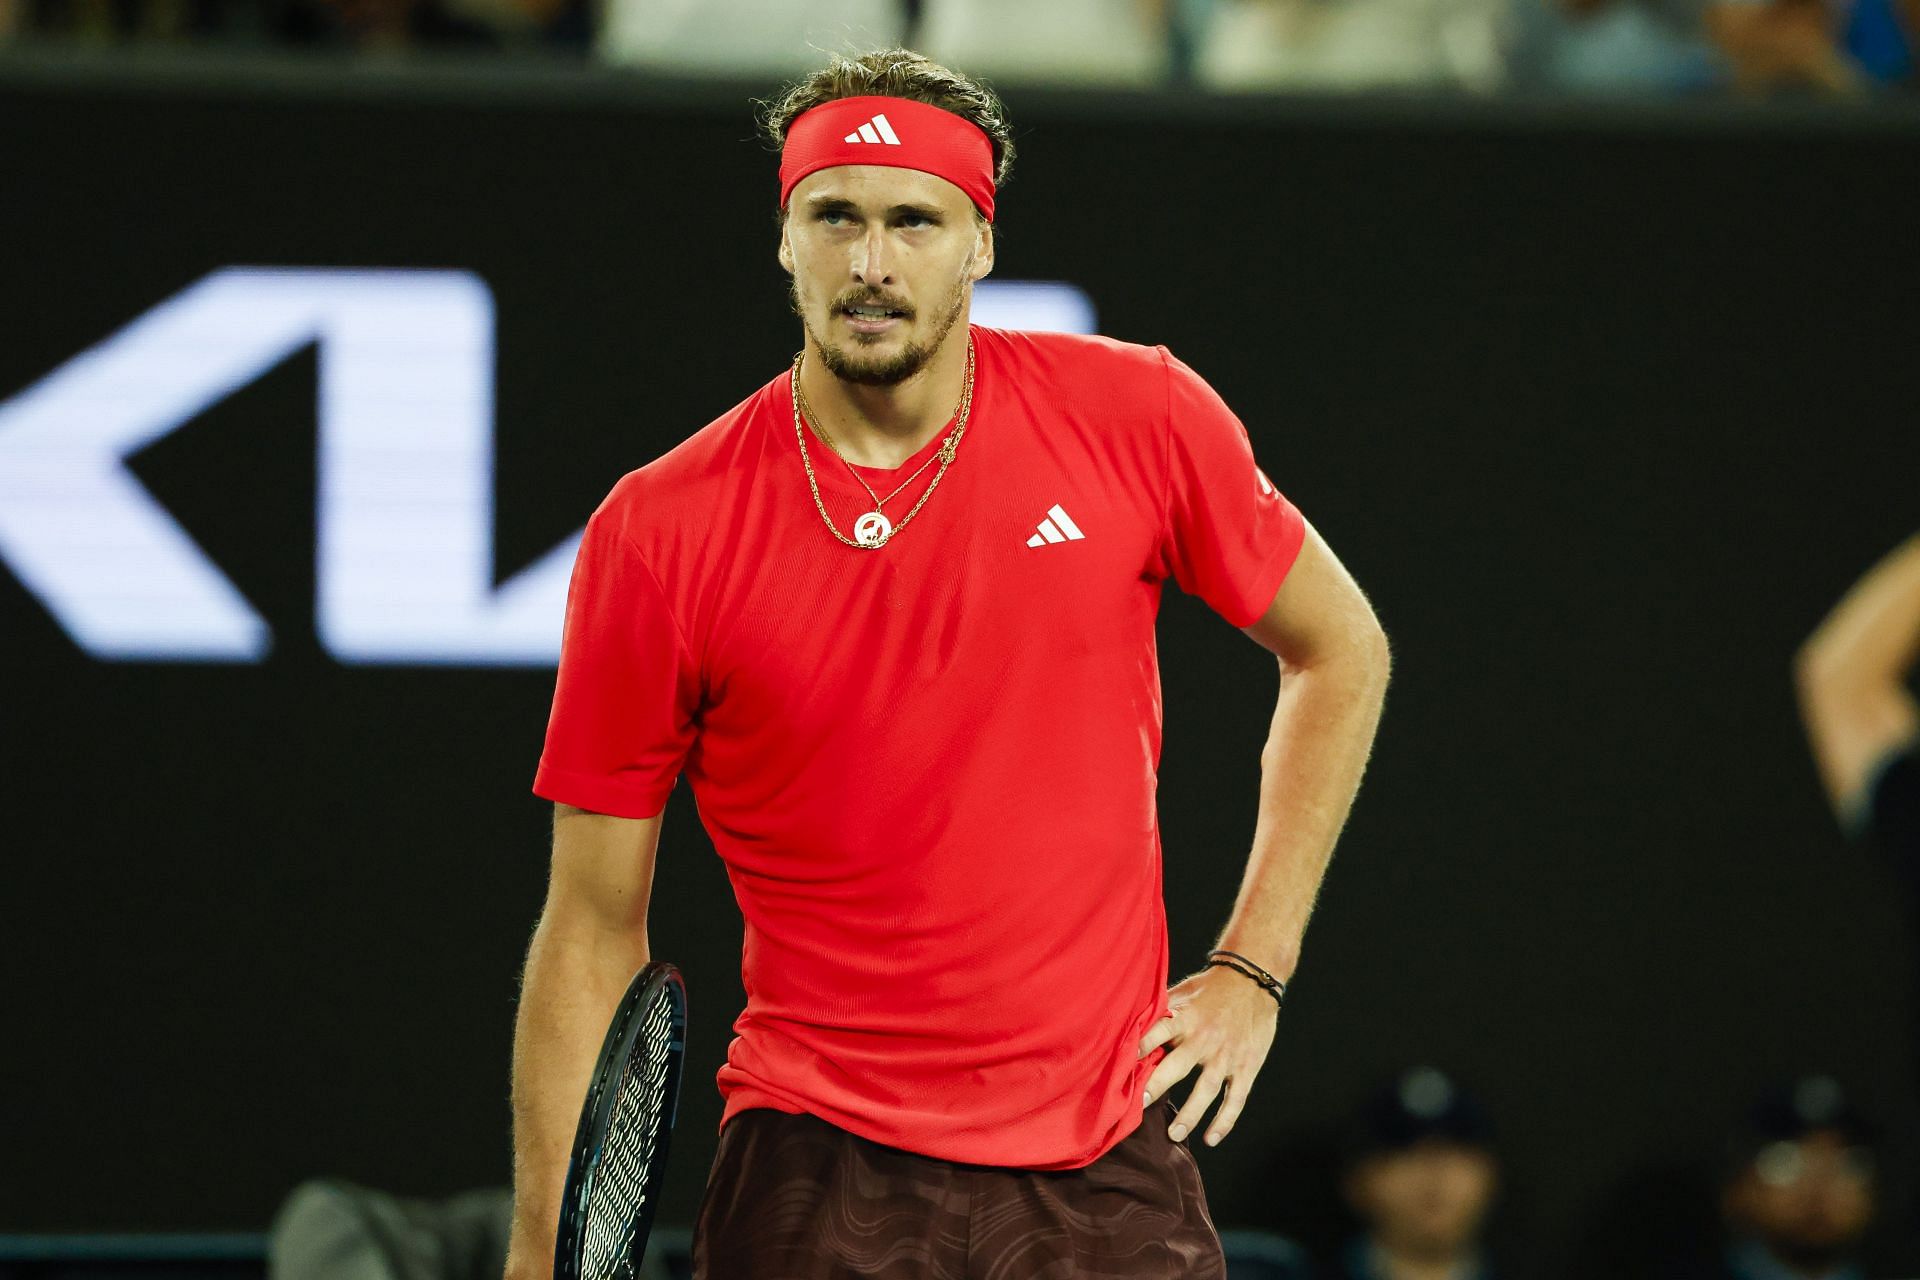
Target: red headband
[(897, 132)]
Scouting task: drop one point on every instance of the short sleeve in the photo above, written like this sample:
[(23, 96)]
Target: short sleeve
[(625, 701), (1230, 535)]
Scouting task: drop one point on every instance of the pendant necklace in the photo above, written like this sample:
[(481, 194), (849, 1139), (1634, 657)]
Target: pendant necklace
[(873, 530)]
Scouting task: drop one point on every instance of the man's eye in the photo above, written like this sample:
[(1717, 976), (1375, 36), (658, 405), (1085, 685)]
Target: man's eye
[(834, 217), (915, 220)]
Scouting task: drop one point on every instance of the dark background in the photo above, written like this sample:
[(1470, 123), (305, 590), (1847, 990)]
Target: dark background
[(1603, 409)]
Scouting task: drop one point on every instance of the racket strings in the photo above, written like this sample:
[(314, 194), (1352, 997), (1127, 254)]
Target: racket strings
[(622, 1177)]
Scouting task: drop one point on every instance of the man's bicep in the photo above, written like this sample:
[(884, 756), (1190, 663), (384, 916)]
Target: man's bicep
[(602, 871), (1319, 611)]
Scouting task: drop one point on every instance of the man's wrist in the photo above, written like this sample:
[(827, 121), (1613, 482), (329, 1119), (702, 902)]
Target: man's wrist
[(1273, 958), (1272, 986)]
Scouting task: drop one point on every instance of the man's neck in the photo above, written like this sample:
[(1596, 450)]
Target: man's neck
[(884, 426)]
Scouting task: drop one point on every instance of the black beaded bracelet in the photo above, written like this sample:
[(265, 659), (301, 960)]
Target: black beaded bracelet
[(1248, 969)]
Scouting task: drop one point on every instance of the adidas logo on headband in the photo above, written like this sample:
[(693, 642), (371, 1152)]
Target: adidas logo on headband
[(900, 133), (876, 130)]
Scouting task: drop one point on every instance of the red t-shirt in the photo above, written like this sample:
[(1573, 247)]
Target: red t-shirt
[(929, 768)]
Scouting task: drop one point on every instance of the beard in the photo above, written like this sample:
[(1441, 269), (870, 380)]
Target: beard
[(847, 363)]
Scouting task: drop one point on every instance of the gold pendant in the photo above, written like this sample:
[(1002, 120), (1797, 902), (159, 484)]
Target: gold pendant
[(872, 529)]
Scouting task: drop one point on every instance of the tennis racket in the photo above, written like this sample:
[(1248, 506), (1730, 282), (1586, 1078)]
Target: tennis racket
[(620, 1149)]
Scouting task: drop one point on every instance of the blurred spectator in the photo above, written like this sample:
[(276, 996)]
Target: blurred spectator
[(375, 26), (102, 21), (1421, 1175), (1861, 719), (1825, 46), (1086, 42), (1783, 44), (1802, 1192), (1353, 44), (1615, 46), (366, 25), (744, 37)]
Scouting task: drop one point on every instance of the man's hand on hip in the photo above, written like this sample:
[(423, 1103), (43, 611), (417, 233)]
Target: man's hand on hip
[(1222, 1023)]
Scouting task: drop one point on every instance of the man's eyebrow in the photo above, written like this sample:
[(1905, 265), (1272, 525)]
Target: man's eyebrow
[(831, 203)]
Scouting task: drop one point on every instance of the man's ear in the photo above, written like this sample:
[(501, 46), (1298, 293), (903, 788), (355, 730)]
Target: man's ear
[(982, 249), (786, 249)]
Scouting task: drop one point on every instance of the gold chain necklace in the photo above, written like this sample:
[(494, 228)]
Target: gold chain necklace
[(806, 411), (873, 530)]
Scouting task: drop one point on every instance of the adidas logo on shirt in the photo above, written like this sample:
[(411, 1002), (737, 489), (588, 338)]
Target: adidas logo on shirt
[(876, 130), (1057, 527)]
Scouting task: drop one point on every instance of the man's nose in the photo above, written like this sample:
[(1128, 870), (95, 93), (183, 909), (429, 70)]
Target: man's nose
[(871, 264)]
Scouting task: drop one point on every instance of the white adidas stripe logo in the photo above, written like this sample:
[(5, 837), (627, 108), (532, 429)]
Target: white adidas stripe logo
[(1057, 527), (876, 130)]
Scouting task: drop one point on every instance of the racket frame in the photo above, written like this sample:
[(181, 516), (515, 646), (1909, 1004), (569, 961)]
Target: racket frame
[(655, 980)]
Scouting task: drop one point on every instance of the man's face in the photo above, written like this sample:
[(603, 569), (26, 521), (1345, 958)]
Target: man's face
[(883, 263), (1427, 1201), (1808, 1200)]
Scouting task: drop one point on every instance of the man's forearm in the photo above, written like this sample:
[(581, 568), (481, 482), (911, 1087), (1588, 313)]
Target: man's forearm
[(1323, 727), (575, 976)]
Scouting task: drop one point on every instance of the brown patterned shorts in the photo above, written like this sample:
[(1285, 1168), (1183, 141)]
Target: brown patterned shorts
[(794, 1198)]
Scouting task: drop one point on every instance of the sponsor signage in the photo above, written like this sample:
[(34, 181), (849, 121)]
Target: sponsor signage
[(404, 529)]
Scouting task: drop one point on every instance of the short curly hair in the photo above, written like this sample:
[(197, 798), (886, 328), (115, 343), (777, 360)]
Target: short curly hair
[(895, 73)]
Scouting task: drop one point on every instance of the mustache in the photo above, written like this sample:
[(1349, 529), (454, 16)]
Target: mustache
[(871, 298)]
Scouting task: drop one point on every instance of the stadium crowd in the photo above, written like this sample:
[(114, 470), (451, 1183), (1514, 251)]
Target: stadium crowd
[(1419, 1173), (1834, 48)]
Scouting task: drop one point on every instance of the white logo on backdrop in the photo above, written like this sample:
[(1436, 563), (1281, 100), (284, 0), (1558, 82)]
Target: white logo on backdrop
[(404, 554)]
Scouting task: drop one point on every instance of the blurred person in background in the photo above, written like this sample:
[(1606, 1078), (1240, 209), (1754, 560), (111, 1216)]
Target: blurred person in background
[(359, 25), (109, 21), (743, 37), (1350, 45), (1861, 717), (1658, 47), (381, 26), (1081, 42), (1802, 1191), (1422, 1176), (1085, 42), (1831, 47), (397, 26)]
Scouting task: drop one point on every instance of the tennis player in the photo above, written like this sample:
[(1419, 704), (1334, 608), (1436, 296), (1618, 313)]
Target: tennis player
[(892, 617)]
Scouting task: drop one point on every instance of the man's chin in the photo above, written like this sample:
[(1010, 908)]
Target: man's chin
[(875, 363)]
